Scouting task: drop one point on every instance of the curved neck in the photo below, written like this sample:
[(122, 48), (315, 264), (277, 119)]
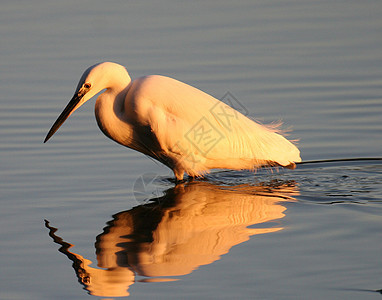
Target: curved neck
[(111, 117)]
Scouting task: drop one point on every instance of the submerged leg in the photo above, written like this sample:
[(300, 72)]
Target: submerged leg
[(178, 175)]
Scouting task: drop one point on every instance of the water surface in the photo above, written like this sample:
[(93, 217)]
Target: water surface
[(311, 233)]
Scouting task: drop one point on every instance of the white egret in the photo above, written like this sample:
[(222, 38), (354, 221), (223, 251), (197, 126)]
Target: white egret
[(177, 124)]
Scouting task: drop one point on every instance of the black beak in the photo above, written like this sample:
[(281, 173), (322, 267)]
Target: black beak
[(71, 107)]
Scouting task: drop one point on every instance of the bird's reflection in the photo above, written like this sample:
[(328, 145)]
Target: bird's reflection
[(190, 226)]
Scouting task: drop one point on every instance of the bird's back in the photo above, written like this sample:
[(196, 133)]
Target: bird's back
[(198, 132)]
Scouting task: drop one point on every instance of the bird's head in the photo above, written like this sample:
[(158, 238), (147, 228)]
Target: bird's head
[(95, 79)]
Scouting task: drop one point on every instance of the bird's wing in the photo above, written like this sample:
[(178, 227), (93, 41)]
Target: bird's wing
[(186, 121)]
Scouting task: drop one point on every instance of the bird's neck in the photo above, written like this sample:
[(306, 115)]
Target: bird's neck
[(111, 117)]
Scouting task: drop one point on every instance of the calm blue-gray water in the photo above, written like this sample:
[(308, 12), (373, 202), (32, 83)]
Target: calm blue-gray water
[(116, 224)]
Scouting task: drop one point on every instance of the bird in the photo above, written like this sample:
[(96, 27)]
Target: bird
[(177, 124)]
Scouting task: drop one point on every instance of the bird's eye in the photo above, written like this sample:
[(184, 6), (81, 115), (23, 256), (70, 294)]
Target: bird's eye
[(87, 85)]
